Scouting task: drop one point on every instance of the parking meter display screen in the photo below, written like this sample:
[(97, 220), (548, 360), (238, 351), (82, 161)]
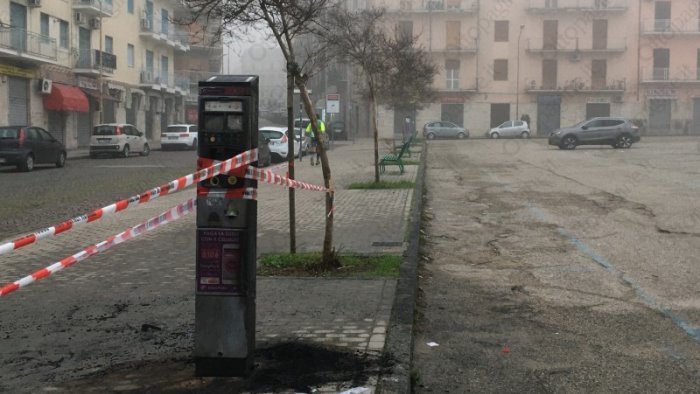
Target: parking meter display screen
[(223, 123)]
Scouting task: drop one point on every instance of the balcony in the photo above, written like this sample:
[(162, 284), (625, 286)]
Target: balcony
[(571, 6), (162, 81), (459, 49), (671, 27), (93, 62), (436, 6), (578, 85), (164, 34), (27, 47), (574, 49), (666, 75), (93, 8)]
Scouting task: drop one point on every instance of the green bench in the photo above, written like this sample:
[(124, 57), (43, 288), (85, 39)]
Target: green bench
[(394, 159)]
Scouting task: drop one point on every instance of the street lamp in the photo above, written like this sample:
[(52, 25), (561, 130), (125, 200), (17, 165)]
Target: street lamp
[(517, 76)]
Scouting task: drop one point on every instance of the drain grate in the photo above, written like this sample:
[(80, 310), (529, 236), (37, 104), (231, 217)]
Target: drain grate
[(382, 243)]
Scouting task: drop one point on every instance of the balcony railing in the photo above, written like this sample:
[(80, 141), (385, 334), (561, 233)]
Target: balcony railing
[(182, 82), (463, 48), (574, 46), (552, 6), (92, 60), (167, 33), (94, 7), (425, 6), (578, 85), (22, 43), (193, 77), (668, 75), (671, 26)]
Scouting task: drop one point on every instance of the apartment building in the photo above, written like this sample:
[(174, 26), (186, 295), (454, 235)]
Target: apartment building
[(556, 61), (67, 65), (669, 64)]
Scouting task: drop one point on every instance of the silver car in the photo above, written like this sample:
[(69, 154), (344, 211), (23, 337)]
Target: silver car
[(444, 129), (510, 129)]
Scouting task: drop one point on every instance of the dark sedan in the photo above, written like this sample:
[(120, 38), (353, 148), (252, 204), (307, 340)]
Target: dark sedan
[(27, 146), (616, 132)]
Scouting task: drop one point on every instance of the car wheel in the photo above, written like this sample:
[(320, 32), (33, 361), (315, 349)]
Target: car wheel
[(525, 135), (461, 136), (61, 160), (568, 142), (126, 152), (194, 144), (624, 142), (430, 136), (146, 150), (27, 164), (495, 136)]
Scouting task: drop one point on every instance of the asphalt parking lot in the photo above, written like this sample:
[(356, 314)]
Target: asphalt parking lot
[(566, 271)]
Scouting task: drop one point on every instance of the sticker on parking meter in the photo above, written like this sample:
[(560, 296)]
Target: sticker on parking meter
[(219, 262)]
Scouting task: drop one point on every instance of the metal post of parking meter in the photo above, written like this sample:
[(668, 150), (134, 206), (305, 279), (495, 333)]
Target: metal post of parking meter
[(226, 229)]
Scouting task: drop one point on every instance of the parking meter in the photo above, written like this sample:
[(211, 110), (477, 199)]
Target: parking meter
[(226, 229)]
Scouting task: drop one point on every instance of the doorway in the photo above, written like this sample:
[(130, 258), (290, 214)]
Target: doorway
[(548, 114), (499, 113)]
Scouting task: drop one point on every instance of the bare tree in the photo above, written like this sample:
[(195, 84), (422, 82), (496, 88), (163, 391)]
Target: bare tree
[(396, 71), (287, 21), (358, 38), (409, 83)]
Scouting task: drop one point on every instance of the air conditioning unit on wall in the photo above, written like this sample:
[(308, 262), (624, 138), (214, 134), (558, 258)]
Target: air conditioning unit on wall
[(45, 86), (94, 23), (34, 3), (80, 18)]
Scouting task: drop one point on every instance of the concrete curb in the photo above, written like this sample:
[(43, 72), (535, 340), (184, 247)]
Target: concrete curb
[(399, 341)]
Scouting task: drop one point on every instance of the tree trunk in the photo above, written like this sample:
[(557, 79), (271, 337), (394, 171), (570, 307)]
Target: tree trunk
[(290, 159), (329, 259), (375, 132)]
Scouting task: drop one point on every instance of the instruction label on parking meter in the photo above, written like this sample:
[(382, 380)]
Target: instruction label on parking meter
[(219, 262)]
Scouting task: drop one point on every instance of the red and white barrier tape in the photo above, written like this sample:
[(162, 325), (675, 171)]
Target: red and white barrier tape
[(222, 167), (268, 176), (151, 224)]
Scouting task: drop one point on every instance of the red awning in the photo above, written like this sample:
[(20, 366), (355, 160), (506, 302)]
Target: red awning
[(66, 98)]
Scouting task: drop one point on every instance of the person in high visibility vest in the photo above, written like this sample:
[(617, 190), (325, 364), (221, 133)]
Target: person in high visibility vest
[(314, 142)]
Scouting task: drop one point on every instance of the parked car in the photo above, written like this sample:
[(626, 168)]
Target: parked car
[(510, 129), (118, 139), (339, 132), (616, 132), (300, 125), (279, 142), (179, 136), (444, 129), (27, 146)]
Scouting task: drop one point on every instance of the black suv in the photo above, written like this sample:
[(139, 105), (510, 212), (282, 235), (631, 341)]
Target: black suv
[(616, 132)]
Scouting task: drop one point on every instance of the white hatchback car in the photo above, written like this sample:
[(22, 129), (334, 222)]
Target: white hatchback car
[(118, 139), (510, 129), (279, 143), (179, 136)]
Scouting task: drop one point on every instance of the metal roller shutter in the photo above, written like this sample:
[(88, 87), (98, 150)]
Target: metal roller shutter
[(18, 101)]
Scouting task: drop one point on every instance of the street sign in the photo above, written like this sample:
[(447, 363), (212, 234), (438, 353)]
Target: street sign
[(333, 103)]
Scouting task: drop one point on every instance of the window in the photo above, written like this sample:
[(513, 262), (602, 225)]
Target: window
[(109, 44), (600, 34), (164, 69), (130, 6), (598, 74), (406, 29), (549, 73), (164, 21), (550, 4), (149, 61), (501, 31), (452, 34), (550, 29), (452, 74), (63, 34), (130, 55), (44, 26), (500, 70)]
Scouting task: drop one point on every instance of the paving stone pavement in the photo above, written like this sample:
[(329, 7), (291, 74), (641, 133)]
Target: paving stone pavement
[(351, 313)]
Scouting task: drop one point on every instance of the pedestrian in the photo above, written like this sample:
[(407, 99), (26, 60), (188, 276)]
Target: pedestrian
[(314, 142)]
